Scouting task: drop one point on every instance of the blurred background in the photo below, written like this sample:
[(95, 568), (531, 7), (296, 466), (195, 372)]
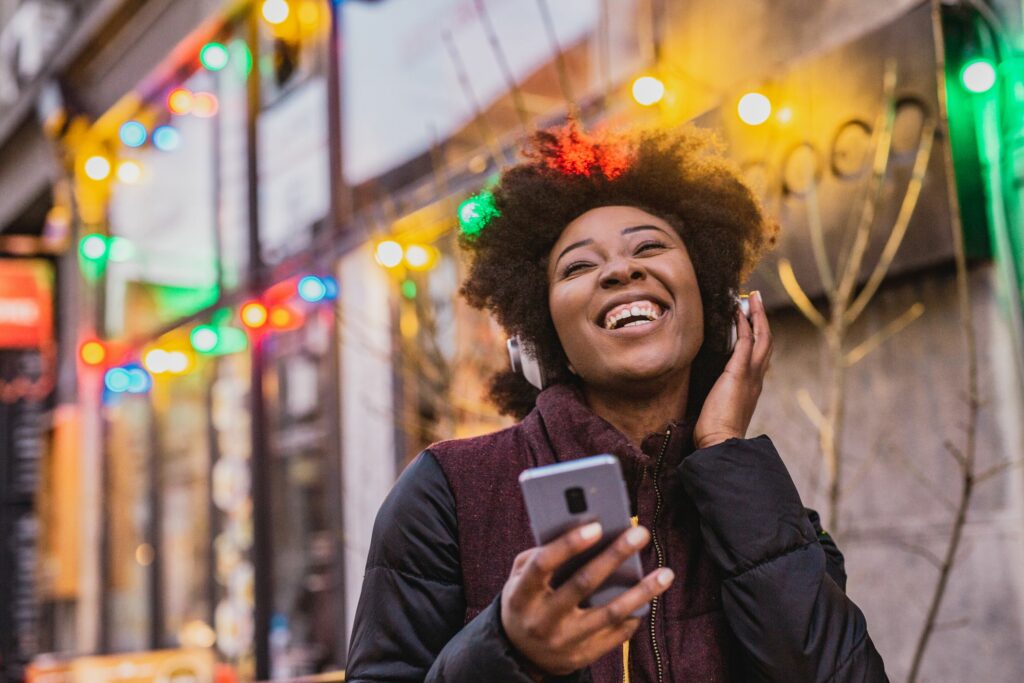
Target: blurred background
[(229, 311)]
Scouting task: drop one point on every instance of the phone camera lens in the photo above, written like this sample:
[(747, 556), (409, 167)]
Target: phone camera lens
[(576, 500)]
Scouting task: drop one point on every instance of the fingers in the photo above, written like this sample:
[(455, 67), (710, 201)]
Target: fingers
[(541, 565), (621, 609), (763, 341), (590, 576)]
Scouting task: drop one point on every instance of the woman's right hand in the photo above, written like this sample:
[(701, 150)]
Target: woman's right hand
[(548, 627)]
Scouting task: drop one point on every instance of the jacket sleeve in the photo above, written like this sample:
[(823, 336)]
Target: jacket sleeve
[(409, 620), (783, 578)]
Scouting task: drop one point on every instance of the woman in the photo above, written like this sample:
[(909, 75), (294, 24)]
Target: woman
[(615, 260)]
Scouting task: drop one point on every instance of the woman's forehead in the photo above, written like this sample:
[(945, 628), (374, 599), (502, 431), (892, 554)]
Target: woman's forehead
[(609, 222)]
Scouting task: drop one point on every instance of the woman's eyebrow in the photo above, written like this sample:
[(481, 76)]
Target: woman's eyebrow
[(638, 228), (574, 245)]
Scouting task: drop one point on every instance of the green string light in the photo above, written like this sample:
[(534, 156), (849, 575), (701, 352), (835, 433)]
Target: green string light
[(476, 212), (409, 289)]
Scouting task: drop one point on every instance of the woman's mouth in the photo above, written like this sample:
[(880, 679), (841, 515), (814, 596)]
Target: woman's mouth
[(633, 314)]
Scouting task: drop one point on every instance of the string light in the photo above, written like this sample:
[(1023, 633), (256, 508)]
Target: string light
[(120, 250), (275, 11), (166, 138), (179, 101), (978, 76), (93, 353), (205, 105), (204, 338), (129, 172), (214, 56), (93, 247), (253, 315), (389, 253), (97, 168), (312, 289), (133, 134), (419, 257), (648, 90), (754, 109)]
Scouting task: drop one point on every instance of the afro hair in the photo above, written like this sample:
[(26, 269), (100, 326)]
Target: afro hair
[(679, 175)]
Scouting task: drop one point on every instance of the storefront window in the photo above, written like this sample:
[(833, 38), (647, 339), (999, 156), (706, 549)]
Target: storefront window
[(305, 628)]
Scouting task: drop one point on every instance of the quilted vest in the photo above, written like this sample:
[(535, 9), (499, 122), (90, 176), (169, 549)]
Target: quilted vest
[(688, 638)]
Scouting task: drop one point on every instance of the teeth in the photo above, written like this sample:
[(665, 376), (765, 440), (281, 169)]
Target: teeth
[(646, 309)]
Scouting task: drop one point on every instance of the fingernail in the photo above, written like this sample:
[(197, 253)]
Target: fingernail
[(665, 576), (757, 293), (590, 531), (636, 536)]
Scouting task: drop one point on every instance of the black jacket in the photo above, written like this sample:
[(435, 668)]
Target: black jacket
[(787, 607)]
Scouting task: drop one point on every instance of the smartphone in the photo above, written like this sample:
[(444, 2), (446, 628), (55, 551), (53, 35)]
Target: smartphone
[(743, 301), (570, 494)]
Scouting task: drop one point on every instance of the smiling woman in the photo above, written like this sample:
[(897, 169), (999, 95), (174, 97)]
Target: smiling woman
[(616, 261)]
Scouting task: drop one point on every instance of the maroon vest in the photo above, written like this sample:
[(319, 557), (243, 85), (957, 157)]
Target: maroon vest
[(690, 639)]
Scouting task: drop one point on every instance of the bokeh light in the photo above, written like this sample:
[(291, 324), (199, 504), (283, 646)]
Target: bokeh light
[(214, 56), (180, 101), (754, 109), (648, 90), (97, 167), (389, 253), (166, 138), (133, 134), (275, 11), (129, 172), (978, 75)]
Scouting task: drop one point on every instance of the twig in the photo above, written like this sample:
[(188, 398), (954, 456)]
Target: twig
[(818, 240), (467, 90), (991, 472), (796, 293), (560, 66), (506, 71), (899, 231), (880, 337)]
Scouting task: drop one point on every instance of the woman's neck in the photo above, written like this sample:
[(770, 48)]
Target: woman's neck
[(639, 413)]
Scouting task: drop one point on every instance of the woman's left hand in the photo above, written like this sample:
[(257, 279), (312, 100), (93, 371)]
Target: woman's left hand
[(731, 402)]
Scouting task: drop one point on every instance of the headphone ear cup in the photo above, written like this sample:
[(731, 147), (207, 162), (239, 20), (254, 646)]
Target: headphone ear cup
[(525, 362)]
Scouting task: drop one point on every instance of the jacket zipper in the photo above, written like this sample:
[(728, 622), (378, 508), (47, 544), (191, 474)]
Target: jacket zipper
[(658, 550)]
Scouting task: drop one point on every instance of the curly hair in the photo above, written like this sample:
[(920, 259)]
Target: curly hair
[(680, 176)]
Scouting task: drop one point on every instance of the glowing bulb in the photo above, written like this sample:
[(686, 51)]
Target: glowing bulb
[(117, 380), (275, 11), (204, 338), (139, 380), (312, 289), (97, 167), (156, 361), (93, 247), (179, 101), (93, 353), (254, 314), (129, 172), (784, 115), (214, 56), (177, 362), (166, 138), (978, 75), (648, 90), (120, 250), (754, 109), (389, 253), (205, 105), (418, 257), (133, 134)]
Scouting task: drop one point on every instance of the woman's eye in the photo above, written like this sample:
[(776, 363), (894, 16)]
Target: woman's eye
[(646, 246), (574, 267)]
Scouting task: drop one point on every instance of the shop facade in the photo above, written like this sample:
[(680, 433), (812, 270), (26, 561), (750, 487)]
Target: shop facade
[(259, 279)]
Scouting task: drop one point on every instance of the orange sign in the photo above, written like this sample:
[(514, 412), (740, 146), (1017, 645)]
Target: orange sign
[(159, 666), (26, 303)]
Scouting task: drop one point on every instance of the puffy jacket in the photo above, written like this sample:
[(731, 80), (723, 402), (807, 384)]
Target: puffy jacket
[(759, 593)]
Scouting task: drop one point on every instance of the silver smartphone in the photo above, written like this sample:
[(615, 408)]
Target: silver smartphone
[(570, 494)]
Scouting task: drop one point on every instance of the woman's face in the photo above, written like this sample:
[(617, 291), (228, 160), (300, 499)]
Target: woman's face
[(624, 298)]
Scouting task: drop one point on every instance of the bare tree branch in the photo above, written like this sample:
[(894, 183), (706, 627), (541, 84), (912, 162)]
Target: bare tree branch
[(995, 470), (796, 293), (880, 337), (818, 240)]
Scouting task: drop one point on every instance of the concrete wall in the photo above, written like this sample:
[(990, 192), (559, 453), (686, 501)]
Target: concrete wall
[(903, 401)]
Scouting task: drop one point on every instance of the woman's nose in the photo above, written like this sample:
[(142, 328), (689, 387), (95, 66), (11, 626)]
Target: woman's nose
[(621, 271)]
